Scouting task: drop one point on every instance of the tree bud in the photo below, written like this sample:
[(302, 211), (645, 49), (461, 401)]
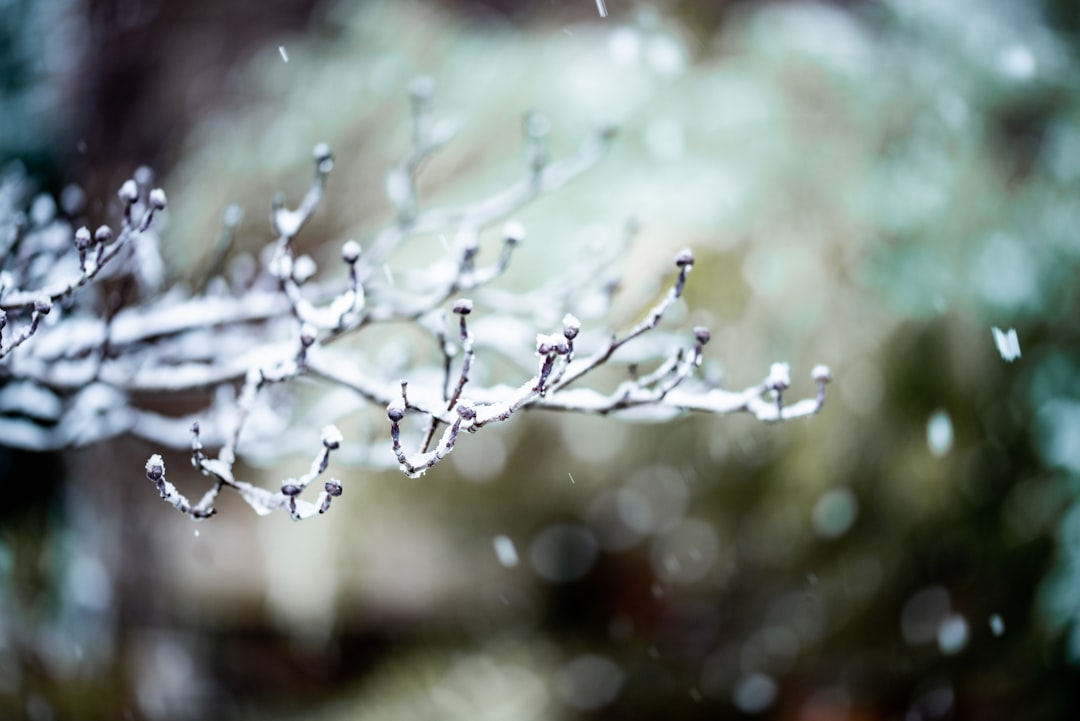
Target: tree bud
[(155, 468), (571, 326), (157, 199), (331, 437), (466, 410), (514, 232), (350, 251), (129, 192), (395, 412)]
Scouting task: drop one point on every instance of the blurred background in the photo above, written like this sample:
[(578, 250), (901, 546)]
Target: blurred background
[(869, 184)]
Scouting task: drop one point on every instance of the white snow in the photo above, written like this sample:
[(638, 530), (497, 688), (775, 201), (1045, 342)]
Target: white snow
[(939, 433), (1007, 342), (505, 551)]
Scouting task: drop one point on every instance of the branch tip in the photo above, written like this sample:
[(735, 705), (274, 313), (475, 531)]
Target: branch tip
[(155, 468), (324, 159), (157, 199), (571, 326), (514, 233), (129, 192), (779, 376), (331, 437), (350, 251), (821, 374), (82, 238), (395, 411)]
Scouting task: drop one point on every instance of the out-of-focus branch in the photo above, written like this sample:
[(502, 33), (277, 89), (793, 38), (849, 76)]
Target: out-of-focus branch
[(94, 253)]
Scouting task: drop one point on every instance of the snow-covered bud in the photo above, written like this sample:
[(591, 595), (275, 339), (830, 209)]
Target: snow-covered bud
[(103, 234), (129, 192), (571, 326), (324, 160), (514, 232), (466, 410), (350, 251), (543, 344), (395, 411), (333, 488), (685, 258), (308, 334), (155, 468), (287, 222), (331, 437), (290, 489), (821, 374), (82, 238), (43, 305), (157, 199), (702, 335), (779, 376), (546, 344), (462, 306)]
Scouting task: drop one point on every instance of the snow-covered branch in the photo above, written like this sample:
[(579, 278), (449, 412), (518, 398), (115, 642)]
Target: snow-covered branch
[(76, 368), (659, 395)]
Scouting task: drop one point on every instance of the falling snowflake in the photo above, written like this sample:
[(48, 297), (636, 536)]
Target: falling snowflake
[(1007, 343)]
